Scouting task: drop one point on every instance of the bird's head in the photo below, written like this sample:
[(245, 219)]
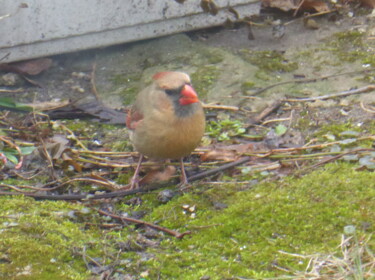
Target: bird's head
[(177, 86)]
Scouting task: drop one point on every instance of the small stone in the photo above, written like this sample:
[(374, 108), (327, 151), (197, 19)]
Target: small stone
[(220, 205), (138, 214), (166, 195), (311, 24), (134, 201), (144, 274), (81, 75), (78, 89), (11, 79)]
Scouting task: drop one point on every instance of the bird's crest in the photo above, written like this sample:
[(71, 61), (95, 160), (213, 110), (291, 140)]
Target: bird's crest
[(160, 75)]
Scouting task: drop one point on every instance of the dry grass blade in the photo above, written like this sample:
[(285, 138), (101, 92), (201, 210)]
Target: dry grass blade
[(356, 261)]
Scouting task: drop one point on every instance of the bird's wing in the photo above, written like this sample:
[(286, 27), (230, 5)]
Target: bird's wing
[(133, 118)]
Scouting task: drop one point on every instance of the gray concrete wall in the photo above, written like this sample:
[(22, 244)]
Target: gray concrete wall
[(47, 27)]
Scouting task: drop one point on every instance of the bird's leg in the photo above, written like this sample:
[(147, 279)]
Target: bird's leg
[(134, 180), (184, 180)]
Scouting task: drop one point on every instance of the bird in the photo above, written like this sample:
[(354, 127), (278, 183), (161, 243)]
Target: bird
[(166, 121)]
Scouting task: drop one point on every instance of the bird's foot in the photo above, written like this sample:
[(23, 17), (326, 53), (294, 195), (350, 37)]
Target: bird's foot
[(134, 183), (184, 185)]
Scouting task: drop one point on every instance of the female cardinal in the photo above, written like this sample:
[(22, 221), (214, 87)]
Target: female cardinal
[(166, 121)]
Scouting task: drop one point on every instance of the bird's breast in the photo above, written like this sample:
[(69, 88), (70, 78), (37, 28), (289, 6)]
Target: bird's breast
[(162, 135)]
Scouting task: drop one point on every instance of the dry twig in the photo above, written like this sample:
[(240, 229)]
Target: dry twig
[(335, 95), (93, 82), (311, 80), (367, 109), (267, 111), (220, 107), (140, 222), (12, 90)]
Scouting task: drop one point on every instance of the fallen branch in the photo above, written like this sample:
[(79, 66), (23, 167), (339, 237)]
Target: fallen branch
[(278, 154), (310, 80), (140, 222), (123, 193), (335, 95), (219, 169)]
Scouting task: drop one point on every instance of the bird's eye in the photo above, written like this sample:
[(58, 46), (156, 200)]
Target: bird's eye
[(173, 91)]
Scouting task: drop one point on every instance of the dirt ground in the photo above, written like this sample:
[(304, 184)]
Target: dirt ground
[(228, 68), (123, 70)]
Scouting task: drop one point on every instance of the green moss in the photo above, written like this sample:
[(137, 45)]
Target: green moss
[(39, 238), (129, 93), (124, 178), (269, 61), (350, 46), (203, 78), (248, 85), (212, 55), (335, 130), (121, 145), (80, 126), (127, 86), (353, 37), (300, 216), (303, 124), (122, 79)]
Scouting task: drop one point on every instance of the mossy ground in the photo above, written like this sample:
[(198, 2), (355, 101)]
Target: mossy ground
[(38, 240), (301, 216)]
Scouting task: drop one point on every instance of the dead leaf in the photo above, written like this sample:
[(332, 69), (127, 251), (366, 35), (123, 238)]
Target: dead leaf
[(234, 12), (87, 109), (55, 146), (209, 6), (318, 6), (69, 161), (28, 67), (231, 152), (219, 155), (368, 3), (284, 5), (158, 175), (49, 105), (288, 5)]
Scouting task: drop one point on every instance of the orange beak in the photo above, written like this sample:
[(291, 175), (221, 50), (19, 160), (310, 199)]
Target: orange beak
[(189, 95)]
